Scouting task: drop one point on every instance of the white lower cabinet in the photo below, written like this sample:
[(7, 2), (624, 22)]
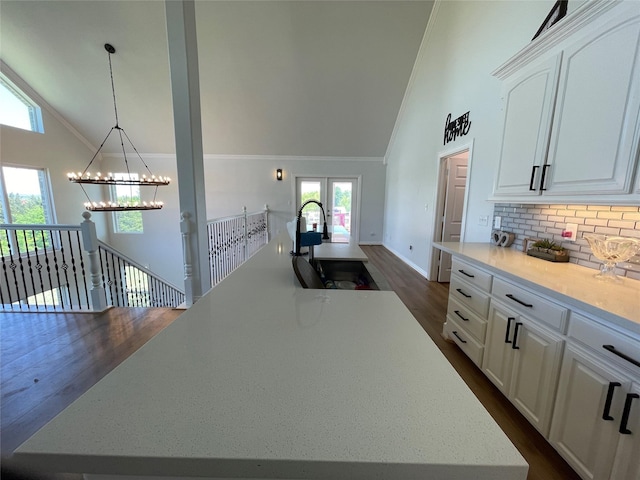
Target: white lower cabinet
[(596, 422), (522, 359)]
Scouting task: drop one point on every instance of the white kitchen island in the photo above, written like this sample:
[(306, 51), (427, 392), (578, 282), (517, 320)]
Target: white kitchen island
[(264, 379)]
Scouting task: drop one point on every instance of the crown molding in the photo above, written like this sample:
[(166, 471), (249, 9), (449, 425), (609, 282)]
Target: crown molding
[(565, 27), (274, 158)]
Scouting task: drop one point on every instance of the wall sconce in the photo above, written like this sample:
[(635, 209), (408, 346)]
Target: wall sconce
[(279, 174)]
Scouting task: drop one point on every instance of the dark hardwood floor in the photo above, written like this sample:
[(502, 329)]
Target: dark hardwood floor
[(427, 301), (49, 360)]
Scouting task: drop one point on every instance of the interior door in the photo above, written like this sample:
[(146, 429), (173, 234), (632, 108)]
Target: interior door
[(453, 209)]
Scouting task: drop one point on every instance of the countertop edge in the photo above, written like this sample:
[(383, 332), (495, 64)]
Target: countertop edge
[(622, 324)]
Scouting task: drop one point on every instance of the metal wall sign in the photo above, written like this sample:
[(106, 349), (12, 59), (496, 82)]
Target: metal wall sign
[(456, 128)]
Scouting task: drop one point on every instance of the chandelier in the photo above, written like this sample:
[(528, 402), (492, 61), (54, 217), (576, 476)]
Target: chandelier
[(132, 180)]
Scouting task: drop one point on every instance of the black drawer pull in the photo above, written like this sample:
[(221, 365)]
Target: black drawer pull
[(467, 274), (506, 335), (458, 337), (459, 290), (515, 336), (606, 413), (625, 413), (511, 297), (533, 176), (457, 312), (629, 359)]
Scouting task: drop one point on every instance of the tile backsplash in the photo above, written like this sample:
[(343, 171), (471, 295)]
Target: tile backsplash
[(549, 221)]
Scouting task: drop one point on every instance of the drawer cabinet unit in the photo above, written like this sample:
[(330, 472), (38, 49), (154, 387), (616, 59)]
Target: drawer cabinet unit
[(469, 297), (572, 368), (596, 422), (522, 358)]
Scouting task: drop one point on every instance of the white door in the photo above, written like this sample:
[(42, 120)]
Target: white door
[(536, 365), (594, 140), (498, 351), (339, 198), (343, 193), (453, 208), (588, 390), (527, 114)]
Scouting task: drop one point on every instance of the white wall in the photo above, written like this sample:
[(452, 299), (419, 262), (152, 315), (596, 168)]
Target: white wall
[(233, 182), (58, 150), (465, 41)]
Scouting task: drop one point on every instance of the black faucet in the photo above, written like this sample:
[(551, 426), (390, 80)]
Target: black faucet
[(325, 231)]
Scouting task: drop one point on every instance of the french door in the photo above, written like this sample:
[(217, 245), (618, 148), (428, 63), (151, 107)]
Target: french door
[(339, 198)]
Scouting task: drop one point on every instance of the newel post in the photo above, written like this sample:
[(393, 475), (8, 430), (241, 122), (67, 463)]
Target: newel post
[(266, 222), (90, 242), (185, 230)]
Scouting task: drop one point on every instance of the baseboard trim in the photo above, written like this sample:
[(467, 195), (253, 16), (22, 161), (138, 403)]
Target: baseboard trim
[(407, 261)]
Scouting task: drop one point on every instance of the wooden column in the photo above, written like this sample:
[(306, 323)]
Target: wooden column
[(185, 87)]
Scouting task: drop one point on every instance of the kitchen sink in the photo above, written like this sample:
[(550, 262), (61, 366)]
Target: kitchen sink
[(351, 275)]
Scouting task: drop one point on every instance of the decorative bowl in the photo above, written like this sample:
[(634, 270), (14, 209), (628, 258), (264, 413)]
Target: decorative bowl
[(611, 250)]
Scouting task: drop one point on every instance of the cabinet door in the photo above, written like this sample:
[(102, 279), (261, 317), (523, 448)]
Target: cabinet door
[(589, 389), (498, 353), (536, 365), (528, 101), (596, 124), (627, 462)]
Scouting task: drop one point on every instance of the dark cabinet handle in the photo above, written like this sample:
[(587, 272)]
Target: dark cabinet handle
[(544, 174), (458, 337), (625, 413), (467, 274), (506, 335), (515, 336), (511, 297), (606, 413), (629, 359), (457, 312), (533, 177), (459, 290)]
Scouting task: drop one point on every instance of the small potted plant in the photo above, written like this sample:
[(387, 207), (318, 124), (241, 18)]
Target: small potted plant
[(548, 250)]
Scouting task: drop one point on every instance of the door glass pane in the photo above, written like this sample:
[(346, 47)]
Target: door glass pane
[(310, 190), (341, 214)]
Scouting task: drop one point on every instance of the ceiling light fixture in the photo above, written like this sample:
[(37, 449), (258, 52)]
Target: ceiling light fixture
[(123, 203)]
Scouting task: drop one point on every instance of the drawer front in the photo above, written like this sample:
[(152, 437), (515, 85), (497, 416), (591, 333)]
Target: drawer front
[(615, 346), (465, 341), (468, 295), (467, 319), (530, 304), (471, 274)]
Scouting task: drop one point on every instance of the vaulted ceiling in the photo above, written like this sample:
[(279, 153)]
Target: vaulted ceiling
[(299, 78)]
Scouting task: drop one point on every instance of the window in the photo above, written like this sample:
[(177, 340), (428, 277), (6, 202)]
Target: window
[(25, 199), (18, 110), (25, 196), (126, 222)]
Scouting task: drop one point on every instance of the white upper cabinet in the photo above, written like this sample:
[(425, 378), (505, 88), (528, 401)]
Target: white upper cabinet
[(527, 104), (597, 111), (571, 107)]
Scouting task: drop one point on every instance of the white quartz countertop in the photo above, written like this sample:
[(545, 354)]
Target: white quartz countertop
[(566, 282), (264, 379)]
